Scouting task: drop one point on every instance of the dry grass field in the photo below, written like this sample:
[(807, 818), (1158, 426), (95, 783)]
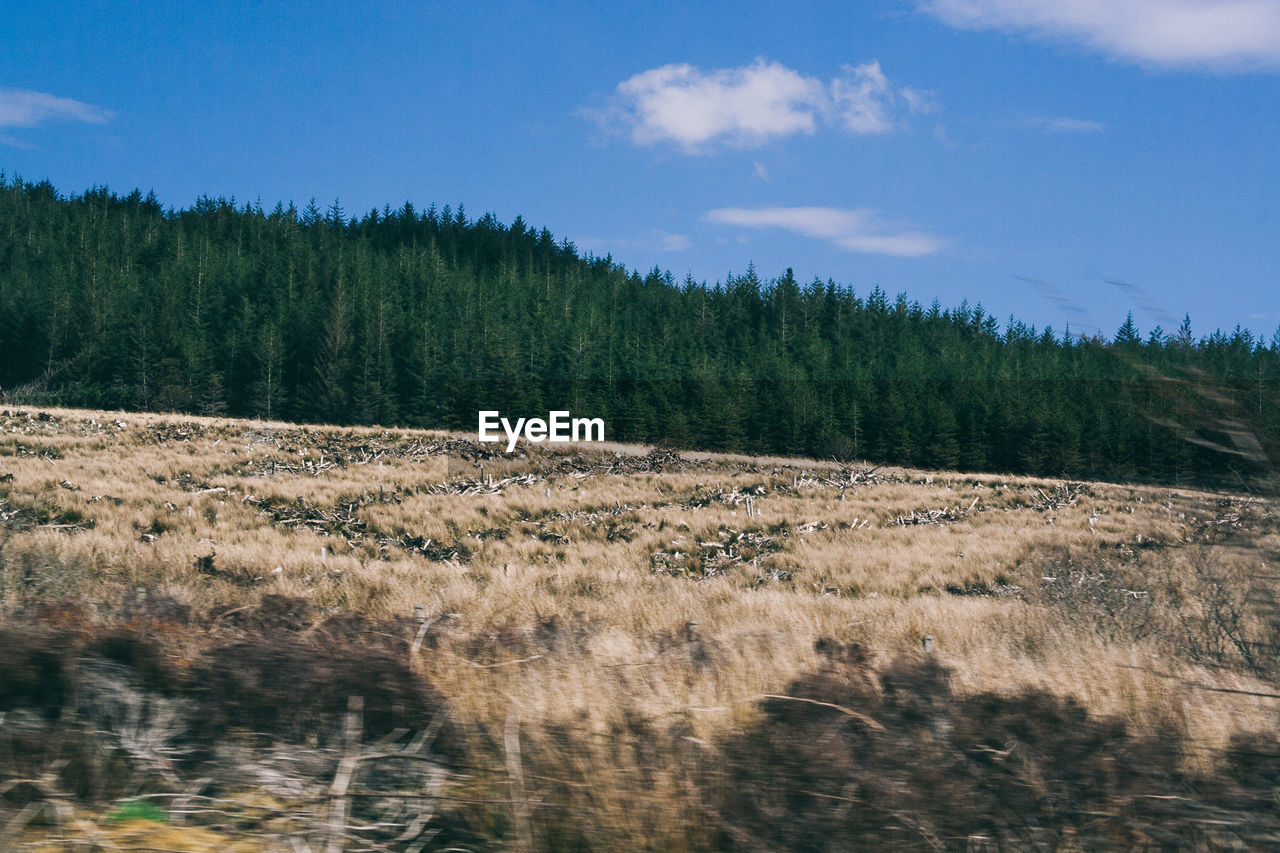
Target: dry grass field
[(238, 635)]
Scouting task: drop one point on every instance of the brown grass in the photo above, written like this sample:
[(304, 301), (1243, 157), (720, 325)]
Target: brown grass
[(1141, 603)]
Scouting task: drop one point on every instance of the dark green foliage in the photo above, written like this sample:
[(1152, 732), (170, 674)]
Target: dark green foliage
[(138, 810), (423, 319)]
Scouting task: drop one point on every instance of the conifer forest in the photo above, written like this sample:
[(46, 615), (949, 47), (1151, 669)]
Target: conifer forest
[(419, 318)]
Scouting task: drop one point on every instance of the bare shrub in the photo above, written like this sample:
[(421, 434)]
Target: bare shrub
[(281, 683), (1226, 615), (843, 764), (110, 707), (1110, 595)]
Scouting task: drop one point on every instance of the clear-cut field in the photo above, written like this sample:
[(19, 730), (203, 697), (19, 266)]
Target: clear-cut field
[(583, 589)]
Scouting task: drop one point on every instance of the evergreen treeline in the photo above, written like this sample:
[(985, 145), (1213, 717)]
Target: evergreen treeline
[(422, 318)]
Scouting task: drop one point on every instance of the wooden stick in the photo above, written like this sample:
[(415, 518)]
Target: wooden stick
[(342, 777), (515, 774), (862, 718)]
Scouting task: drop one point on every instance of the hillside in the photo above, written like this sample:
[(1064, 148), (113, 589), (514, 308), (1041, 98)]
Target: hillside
[(619, 648), (421, 318)]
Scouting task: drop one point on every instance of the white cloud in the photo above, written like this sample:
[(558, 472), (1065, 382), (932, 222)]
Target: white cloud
[(14, 142), (749, 105), (681, 104), (854, 230), (673, 242), (25, 108), (761, 171), (1217, 34), (1067, 125), (653, 240), (919, 101), (861, 98)]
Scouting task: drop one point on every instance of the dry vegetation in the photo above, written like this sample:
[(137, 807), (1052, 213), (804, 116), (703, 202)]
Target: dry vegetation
[(613, 648)]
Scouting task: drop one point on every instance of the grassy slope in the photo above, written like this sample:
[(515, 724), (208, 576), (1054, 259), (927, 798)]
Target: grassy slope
[(1102, 599)]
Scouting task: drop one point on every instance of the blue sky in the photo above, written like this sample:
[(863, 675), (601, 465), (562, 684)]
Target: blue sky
[(1064, 161)]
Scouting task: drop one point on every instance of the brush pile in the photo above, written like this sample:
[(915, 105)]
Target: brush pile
[(340, 520), (706, 558), (483, 485), (1063, 495), (1229, 517), (943, 515), (851, 477), (709, 558), (735, 496), (436, 552)]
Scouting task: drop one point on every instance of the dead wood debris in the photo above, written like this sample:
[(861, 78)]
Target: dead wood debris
[(43, 515), (343, 521), (1062, 495), (611, 518), (312, 452), (849, 477), (706, 559), (483, 485), (702, 559), (48, 453), (179, 432), (943, 515), (655, 461), (581, 465), (853, 476), (436, 552), (732, 497), (591, 517), (1229, 516), (982, 590), (23, 422)]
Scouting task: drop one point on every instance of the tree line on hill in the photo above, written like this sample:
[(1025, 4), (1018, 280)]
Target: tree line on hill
[(421, 318)]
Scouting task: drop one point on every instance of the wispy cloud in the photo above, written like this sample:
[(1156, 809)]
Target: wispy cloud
[(653, 240), (673, 242), (14, 142), (854, 230), (25, 108), (919, 101), (751, 105), (1215, 34), (862, 98), (1067, 125)]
